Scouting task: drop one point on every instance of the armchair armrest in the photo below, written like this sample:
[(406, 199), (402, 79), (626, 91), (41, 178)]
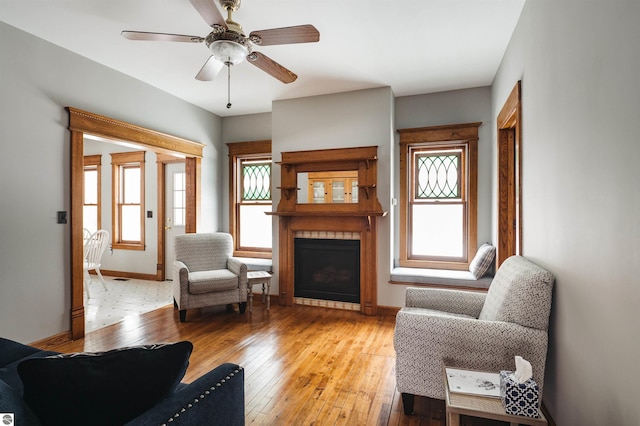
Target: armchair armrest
[(215, 398), (180, 271), (180, 283), (239, 268), (454, 301)]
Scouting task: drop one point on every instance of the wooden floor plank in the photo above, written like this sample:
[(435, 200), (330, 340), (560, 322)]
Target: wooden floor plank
[(303, 365)]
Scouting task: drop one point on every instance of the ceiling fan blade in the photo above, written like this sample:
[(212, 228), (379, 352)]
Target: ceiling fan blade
[(209, 12), (286, 35), (271, 67), (209, 70), (141, 35)]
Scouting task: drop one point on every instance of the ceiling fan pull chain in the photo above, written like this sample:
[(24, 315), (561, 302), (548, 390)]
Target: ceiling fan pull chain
[(228, 85)]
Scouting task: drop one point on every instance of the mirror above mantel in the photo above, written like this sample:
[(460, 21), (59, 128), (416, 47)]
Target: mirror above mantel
[(333, 182), (330, 187)]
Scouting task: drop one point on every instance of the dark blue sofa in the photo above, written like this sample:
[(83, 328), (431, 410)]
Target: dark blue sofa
[(216, 398)]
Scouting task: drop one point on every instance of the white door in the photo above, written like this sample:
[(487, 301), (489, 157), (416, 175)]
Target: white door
[(175, 187)]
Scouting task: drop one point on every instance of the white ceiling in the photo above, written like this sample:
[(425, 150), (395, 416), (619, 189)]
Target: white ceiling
[(413, 46)]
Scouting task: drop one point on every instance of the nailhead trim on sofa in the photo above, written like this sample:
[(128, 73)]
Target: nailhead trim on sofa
[(202, 396)]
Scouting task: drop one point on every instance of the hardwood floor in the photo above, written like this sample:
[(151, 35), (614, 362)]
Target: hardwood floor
[(303, 365)]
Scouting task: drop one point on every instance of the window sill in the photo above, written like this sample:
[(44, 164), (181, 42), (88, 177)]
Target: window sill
[(439, 277), (121, 246)]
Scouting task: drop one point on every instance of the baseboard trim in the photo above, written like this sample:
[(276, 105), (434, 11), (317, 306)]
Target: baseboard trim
[(388, 310), (133, 275), (546, 413), (54, 340)]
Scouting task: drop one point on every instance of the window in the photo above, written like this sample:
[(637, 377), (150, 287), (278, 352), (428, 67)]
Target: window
[(91, 218), (250, 198), (128, 200), (438, 191), (179, 198)]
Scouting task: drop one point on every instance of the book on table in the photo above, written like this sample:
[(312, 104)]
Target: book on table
[(473, 382)]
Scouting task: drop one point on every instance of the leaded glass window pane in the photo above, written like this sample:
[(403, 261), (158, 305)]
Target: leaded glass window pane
[(256, 181), (437, 175)]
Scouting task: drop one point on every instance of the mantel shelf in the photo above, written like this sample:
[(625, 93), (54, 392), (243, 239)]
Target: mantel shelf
[(321, 213), (322, 160)]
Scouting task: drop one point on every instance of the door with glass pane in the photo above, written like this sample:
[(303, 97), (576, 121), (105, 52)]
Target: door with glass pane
[(175, 208)]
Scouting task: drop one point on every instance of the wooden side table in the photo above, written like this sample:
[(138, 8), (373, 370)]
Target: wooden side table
[(483, 407), (259, 277)]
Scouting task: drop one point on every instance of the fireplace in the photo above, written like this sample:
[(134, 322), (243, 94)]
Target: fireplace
[(327, 269), (342, 221)]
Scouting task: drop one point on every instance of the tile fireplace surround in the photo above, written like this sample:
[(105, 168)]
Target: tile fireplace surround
[(338, 221)]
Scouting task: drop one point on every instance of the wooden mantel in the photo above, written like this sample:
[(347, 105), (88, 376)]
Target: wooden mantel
[(360, 217)]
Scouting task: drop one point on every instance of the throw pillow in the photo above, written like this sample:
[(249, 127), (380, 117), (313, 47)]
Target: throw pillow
[(482, 260), (103, 388)]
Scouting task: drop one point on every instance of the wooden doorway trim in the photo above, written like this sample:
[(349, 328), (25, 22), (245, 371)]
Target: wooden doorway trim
[(83, 122), (509, 124)]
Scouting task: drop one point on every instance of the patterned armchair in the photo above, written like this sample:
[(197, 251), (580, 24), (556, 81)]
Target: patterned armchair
[(205, 273), (473, 330)]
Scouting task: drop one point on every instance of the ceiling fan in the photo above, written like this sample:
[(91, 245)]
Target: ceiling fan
[(228, 43)]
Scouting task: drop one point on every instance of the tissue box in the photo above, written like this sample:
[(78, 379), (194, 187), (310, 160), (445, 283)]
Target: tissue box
[(519, 399)]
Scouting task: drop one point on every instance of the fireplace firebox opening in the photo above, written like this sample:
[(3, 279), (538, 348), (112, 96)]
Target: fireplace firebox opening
[(327, 269)]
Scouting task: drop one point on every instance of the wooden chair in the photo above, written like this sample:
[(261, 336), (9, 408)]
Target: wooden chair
[(94, 248)]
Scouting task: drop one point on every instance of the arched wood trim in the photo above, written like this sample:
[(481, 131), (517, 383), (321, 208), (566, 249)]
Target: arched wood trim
[(83, 122)]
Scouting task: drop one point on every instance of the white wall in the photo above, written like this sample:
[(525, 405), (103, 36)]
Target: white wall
[(38, 79), (579, 66)]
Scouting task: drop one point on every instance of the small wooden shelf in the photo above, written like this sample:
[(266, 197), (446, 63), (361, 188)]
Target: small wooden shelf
[(286, 190), (367, 188)]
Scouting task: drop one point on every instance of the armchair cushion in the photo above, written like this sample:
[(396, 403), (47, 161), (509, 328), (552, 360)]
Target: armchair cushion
[(208, 281), (102, 388)]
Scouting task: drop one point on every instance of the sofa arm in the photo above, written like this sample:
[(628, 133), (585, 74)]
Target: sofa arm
[(240, 269), (216, 398), (454, 301)]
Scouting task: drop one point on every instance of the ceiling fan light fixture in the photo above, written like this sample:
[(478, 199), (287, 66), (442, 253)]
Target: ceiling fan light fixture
[(228, 51)]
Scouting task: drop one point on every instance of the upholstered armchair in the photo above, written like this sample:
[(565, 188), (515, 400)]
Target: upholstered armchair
[(206, 274), (473, 330)]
